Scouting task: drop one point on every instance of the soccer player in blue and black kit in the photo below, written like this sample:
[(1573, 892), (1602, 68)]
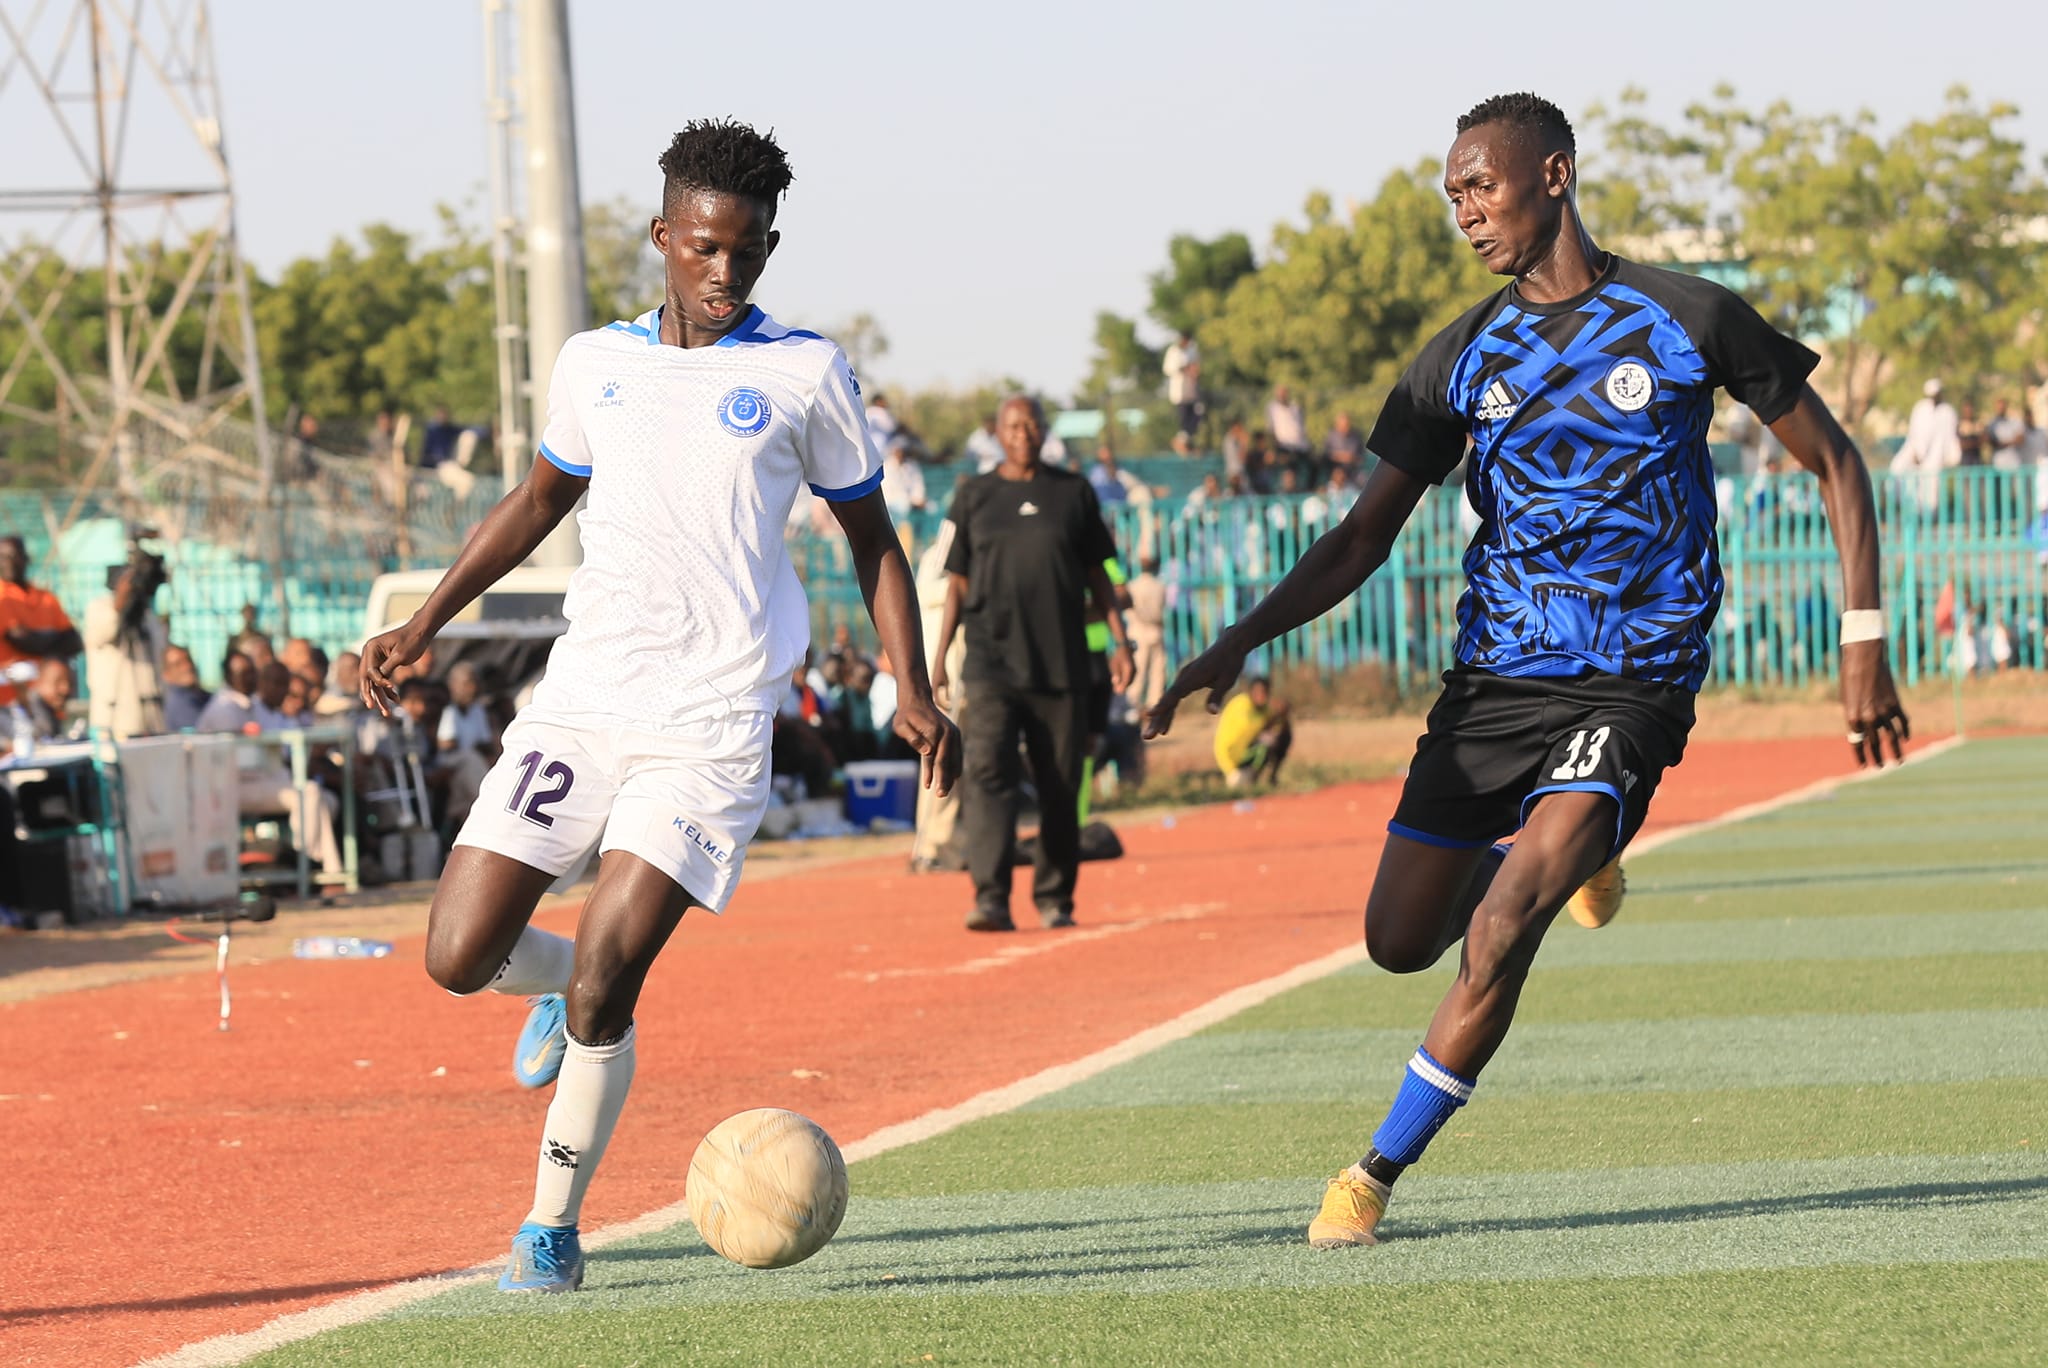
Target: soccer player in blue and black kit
[(1583, 390)]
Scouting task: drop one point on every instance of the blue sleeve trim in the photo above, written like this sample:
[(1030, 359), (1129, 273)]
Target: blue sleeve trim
[(1430, 839), (1585, 786), (851, 492), (566, 467)]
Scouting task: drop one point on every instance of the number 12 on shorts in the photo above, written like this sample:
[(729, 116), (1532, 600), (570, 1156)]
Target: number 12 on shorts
[(535, 808), (1573, 767)]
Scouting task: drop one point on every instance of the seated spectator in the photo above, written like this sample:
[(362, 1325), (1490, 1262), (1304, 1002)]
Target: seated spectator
[(33, 625), (1210, 492), (233, 708), (296, 655), (265, 785), (799, 746), (1253, 736), (315, 672), (1343, 453), (1290, 433), (343, 694), (256, 646), (49, 702), (1257, 475), (1112, 485), (184, 700), (882, 709), (465, 743), (273, 707), (854, 738), (903, 489), (438, 438)]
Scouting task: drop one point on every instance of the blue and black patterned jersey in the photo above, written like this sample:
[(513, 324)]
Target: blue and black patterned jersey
[(1590, 471)]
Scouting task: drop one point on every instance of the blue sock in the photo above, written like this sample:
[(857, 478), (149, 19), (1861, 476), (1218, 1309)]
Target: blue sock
[(1429, 1094)]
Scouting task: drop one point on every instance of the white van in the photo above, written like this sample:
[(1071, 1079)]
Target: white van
[(509, 629), (525, 605)]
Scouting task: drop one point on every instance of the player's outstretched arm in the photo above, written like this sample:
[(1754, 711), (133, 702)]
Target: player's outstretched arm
[(892, 606), (504, 539), (1327, 573), (1870, 701)]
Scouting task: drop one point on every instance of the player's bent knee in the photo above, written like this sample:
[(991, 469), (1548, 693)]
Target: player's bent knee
[(463, 964), (599, 1012), (1400, 950)]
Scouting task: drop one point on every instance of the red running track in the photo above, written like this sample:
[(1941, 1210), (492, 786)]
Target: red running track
[(358, 1126)]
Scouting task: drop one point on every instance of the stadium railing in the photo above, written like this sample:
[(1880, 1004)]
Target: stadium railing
[(1976, 551)]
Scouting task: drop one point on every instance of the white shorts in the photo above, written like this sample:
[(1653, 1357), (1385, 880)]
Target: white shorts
[(687, 801)]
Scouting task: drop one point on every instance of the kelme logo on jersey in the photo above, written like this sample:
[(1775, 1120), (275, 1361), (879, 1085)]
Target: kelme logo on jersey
[(1630, 386), (608, 397), (744, 412), (1498, 403)]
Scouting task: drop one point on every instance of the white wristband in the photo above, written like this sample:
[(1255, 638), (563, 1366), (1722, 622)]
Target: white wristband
[(1862, 624)]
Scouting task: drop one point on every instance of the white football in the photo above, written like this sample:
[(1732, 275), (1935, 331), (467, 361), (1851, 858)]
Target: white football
[(767, 1188)]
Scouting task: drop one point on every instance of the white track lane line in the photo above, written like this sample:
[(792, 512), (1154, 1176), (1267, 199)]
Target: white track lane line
[(362, 1306)]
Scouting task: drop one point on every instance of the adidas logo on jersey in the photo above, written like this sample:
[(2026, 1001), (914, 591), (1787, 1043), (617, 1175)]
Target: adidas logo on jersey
[(1498, 403)]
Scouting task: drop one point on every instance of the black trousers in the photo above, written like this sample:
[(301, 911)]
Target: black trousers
[(1052, 728)]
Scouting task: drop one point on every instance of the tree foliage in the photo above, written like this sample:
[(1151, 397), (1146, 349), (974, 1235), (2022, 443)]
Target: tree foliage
[(1911, 254), (1903, 255)]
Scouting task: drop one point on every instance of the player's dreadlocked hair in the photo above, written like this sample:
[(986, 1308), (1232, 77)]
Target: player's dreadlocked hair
[(1531, 113), (726, 157)]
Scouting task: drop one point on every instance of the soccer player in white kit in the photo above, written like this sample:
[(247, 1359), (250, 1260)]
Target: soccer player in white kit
[(690, 429)]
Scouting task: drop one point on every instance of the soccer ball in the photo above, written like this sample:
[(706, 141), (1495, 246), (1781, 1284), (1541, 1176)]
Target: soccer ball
[(767, 1188)]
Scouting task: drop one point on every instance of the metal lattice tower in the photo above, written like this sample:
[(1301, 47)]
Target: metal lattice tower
[(116, 205)]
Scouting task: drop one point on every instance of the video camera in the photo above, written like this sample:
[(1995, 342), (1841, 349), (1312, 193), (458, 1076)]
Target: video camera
[(145, 572)]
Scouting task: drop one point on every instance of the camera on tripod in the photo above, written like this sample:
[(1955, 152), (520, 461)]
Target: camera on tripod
[(145, 572)]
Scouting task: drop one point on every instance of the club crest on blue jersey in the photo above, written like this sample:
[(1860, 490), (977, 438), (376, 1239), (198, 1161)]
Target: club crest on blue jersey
[(1630, 386), (744, 412)]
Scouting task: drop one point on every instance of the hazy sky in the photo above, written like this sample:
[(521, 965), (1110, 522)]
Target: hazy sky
[(984, 179)]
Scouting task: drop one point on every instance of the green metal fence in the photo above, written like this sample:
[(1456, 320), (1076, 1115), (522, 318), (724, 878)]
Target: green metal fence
[(1978, 541), (1975, 538)]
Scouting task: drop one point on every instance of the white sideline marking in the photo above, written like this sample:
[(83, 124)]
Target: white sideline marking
[(1015, 954), (236, 1348)]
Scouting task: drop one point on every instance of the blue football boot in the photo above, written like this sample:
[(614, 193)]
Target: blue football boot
[(544, 1259), (542, 1043)]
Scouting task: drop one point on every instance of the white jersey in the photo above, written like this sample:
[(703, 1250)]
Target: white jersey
[(686, 605)]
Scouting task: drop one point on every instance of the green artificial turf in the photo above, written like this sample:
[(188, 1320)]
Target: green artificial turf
[(1789, 1109)]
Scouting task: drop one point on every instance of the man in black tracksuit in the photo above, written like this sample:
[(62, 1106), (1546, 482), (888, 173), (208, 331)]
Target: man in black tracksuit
[(1029, 550)]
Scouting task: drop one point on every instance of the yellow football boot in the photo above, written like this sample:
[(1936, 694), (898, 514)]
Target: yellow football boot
[(1352, 1207), (1594, 905)]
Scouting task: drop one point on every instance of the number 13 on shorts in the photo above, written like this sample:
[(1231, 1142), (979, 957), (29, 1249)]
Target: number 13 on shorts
[(1575, 767)]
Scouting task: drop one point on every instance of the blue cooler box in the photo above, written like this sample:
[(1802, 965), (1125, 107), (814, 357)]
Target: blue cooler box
[(881, 788)]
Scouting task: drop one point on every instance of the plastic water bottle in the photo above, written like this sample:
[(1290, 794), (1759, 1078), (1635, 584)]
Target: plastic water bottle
[(339, 947), (24, 735)]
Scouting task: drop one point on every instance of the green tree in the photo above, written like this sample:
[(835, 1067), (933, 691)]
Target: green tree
[(620, 266), (386, 325), (1640, 181), (1342, 302), (1909, 255), (1198, 276)]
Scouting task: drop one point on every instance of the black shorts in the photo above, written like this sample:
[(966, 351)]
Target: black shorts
[(1496, 744), (1190, 414)]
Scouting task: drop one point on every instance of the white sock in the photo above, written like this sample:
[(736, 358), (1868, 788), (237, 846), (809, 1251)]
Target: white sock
[(539, 963), (589, 1096)]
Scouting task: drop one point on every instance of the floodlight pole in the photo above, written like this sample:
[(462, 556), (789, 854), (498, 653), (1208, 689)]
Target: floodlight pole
[(501, 107), (557, 300)]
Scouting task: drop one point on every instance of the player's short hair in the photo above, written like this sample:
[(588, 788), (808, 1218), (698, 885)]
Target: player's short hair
[(1523, 110), (725, 157)]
